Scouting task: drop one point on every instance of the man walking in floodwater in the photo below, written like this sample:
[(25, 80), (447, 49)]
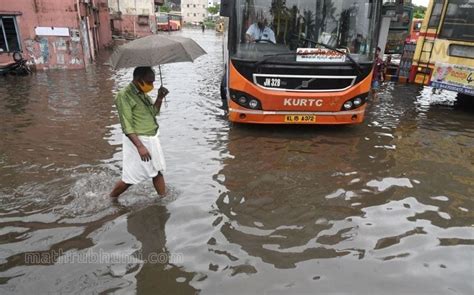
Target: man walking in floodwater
[(377, 75), (142, 154)]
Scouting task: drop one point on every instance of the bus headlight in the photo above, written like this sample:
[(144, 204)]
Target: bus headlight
[(253, 103), (357, 102), (245, 100), (348, 105)]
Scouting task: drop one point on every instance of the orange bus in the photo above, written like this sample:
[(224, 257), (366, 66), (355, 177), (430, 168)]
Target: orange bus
[(169, 22), (299, 61), (444, 56)]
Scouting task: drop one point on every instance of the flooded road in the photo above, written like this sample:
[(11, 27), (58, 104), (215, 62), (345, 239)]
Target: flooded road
[(381, 208)]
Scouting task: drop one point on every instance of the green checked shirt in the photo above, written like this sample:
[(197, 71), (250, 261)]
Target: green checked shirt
[(136, 112)]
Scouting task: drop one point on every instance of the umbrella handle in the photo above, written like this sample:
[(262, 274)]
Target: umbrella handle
[(161, 81), (161, 78)]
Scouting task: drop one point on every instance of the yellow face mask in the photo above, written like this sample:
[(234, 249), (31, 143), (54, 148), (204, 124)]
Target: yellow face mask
[(146, 87)]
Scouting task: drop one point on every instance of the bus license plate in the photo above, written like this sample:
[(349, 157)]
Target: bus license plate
[(300, 118)]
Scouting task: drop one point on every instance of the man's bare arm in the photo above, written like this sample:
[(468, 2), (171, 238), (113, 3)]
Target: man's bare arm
[(142, 150)]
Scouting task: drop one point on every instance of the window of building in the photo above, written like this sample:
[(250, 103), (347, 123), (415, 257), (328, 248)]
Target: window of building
[(458, 23), (188, 5), (194, 14), (436, 14), (143, 20), (9, 38), (194, 5)]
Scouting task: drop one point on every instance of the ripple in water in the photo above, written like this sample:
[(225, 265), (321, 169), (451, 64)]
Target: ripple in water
[(90, 194)]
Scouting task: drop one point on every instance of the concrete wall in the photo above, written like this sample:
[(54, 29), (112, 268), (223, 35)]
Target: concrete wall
[(87, 33), (133, 18), (142, 7), (105, 32)]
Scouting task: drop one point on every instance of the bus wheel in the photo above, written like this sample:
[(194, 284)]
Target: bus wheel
[(224, 92)]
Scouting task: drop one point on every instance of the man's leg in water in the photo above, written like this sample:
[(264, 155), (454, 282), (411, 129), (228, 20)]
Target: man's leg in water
[(159, 184), (119, 188)]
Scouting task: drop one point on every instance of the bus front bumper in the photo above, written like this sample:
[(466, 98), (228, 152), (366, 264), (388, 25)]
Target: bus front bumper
[(279, 117)]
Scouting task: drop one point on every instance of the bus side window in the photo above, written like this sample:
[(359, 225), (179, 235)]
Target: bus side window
[(436, 14)]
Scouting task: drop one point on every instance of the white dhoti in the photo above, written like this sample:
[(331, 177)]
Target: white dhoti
[(135, 170)]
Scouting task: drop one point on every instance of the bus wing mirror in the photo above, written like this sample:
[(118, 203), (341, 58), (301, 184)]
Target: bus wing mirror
[(226, 7)]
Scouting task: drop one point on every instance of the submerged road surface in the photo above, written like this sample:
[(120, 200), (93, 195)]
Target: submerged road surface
[(385, 207)]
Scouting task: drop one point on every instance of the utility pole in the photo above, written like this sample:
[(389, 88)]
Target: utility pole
[(135, 20)]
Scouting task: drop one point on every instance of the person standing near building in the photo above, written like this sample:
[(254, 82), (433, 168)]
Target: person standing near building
[(357, 43), (142, 154), (377, 75)]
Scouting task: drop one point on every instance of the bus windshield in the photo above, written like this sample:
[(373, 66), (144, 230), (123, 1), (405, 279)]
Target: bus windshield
[(276, 27), (162, 18)]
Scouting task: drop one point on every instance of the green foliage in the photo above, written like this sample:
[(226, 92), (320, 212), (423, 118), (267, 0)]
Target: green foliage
[(419, 11), (214, 9), (165, 8), (209, 24)]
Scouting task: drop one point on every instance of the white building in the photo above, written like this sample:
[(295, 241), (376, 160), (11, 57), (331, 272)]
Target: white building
[(194, 11), (213, 2)]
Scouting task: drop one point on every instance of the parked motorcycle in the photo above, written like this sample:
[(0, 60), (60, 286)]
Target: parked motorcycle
[(17, 67)]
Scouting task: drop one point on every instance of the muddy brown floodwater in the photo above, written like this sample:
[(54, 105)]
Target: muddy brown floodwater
[(385, 207)]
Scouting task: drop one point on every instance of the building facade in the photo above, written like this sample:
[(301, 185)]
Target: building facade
[(194, 11), (134, 18), (54, 33), (213, 2)]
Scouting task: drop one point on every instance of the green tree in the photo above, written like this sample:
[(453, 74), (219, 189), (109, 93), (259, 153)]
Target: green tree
[(419, 11), (214, 9), (165, 8)]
